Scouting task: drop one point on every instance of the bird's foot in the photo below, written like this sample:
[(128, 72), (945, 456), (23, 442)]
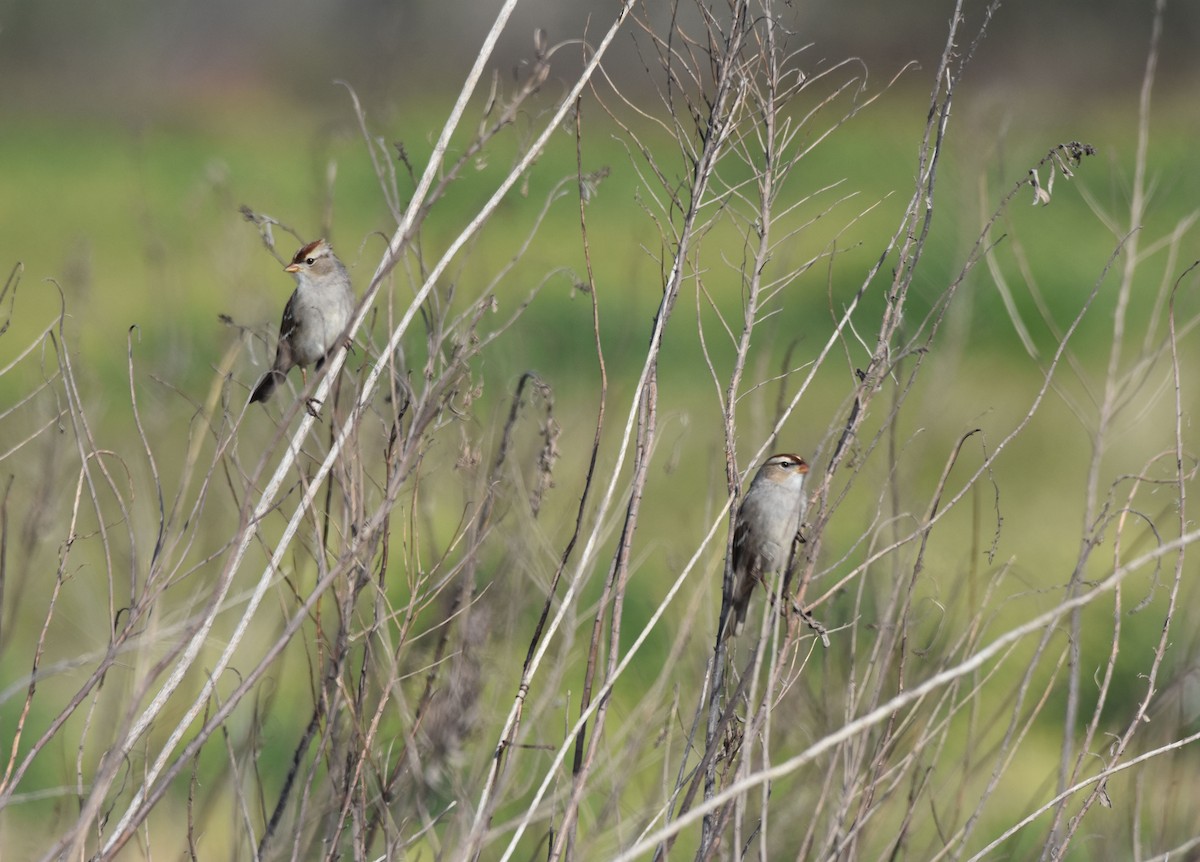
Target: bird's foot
[(818, 628)]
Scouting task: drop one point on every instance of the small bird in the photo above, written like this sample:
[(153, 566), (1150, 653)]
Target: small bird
[(767, 522), (315, 317)]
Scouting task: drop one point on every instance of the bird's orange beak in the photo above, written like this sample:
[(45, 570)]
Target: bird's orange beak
[(292, 267)]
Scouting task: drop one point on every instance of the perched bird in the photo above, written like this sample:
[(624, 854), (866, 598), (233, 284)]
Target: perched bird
[(314, 318), (767, 522)]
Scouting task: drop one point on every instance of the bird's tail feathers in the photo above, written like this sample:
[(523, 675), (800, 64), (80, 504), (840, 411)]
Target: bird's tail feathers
[(266, 387)]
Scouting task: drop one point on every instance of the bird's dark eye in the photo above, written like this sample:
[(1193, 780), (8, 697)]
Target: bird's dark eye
[(310, 260)]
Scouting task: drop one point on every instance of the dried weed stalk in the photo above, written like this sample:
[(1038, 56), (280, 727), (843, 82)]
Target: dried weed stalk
[(903, 676)]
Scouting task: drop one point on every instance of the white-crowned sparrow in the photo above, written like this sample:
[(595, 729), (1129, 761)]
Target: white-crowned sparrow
[(315, 316), (767, 523)]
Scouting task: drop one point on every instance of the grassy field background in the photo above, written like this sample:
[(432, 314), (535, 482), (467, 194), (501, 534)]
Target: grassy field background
[(132, 227)]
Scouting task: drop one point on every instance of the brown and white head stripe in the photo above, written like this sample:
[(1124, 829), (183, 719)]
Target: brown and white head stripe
[(310, 256)]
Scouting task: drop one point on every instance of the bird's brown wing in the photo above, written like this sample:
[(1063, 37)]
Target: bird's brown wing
[(284, 360), (747, 571)]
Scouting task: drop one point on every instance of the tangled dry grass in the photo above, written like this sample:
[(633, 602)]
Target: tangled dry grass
[(301, 645)]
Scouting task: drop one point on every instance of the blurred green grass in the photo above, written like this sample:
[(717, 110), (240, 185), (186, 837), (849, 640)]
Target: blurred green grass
[(140, 226)]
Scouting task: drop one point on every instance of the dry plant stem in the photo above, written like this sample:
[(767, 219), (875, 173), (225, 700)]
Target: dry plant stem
[(697, 773), (885, 781), (245, 687), (643, 395), (1006, 750), (612, 601), (865, 767), (952, 503), (136, 809), (1181, 475), (1109, 407), (570, 815), (910, 239), (535, 149), (765, 105), (325, 704), (971, 261), (391, 783), (1083, 784), (880, 714), (928, 173), (713, 136), (1049, 374), (768, 184), (971, 482), (767, 190), (631, 653), (909, 254), (3, 581), (379, 816), (766, 199), (465, 569), (14, 773)]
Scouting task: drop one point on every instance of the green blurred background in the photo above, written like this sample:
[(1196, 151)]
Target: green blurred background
[(131, 134)]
